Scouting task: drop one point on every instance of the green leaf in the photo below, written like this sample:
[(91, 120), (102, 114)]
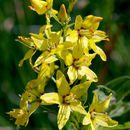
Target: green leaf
[(119, 127), (119, 109)]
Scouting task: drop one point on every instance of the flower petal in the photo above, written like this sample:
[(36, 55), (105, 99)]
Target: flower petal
[(26, 41), (72, 73), (39, 6), (50, 98), (51, 59), (88, 72), (63, 115), (87, 119), (62, 84), (104, 120), (77, 107), (77, 51), (66, 56), (41, 58), (28, 55), (72, 35), (101, 53), (94, 102), (84, 41), (92, 22), (33, 108), (80, 89), (103, 105), (78, 22)]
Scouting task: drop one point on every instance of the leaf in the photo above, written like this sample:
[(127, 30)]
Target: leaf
[(119, 127), (119, 109), (120, 86)]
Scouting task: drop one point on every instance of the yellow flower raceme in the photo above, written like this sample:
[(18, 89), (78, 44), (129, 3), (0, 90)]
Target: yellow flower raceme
[(96, 114), (78, 64), (88, 28), (67, 98)]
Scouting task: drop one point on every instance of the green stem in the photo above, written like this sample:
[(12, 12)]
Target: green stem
[(55, 17), (62, 65), (48, 110)]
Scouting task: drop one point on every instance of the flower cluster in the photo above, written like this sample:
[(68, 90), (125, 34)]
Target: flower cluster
[(66, 53)]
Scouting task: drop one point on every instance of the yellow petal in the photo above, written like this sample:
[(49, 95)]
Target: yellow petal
[(63, 115), (32, 84), (33, 108), (78, 22), (88, 72), (54, 12), (50, 98), (65, 45), (24, 101), (92, 45), (40, 42), (77, 107), (55, 37), (77, 51), (26, 41), (72, 35), (50, 3), (41, 58), (44, 71), (80, 89), (86, 60), (41, 85), (51, 59), (72, 73), (101, 53), (66, 56), (103, 105), (40, 6), (28, 55), (104, 120), (44, 27), (94, 102), (99, 36), (87, 120), (21, 116), (62, 15), (92, 22), (84, 42), (62, 84)]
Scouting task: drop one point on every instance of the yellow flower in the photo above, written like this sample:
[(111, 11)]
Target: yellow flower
[(96, 114), (67, 98), (88, 28), (22, 114), (78, 64), (41, 7)]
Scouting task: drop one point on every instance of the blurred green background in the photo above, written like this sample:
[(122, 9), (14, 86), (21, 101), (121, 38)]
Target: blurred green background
[(17, 19)]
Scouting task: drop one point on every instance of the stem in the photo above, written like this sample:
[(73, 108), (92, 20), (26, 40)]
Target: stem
[(48, 110), (62, 65), (55, 17)]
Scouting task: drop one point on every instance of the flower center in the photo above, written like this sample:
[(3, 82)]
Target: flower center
[(68, 99), (92, 114), (79, 31), (91, 31), (75, 64)]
